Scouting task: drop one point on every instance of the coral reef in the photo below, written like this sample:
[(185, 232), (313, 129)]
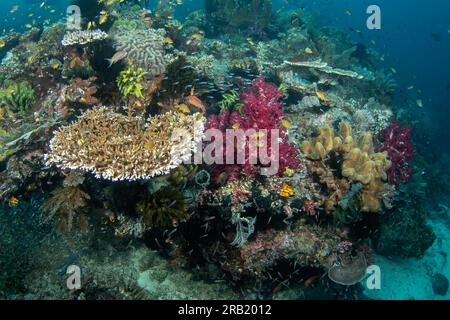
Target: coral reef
[(115, 147), (308, 246), (108, 149)]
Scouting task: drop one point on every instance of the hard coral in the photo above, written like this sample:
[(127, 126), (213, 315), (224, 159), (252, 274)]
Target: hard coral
[(396, 141), (115, 147), (144, 48), (83, 37)]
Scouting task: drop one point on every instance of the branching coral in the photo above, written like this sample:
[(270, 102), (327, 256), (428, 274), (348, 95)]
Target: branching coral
[(116, 147), (144, 48)]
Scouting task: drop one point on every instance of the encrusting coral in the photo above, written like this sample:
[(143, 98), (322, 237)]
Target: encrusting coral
[(116, 147)]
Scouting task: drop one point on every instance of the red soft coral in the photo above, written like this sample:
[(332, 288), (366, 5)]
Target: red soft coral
[(261, 111), (396, 141)]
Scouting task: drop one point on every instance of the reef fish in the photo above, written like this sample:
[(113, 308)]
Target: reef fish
[(118, 56), (196, 102), (13, 201)]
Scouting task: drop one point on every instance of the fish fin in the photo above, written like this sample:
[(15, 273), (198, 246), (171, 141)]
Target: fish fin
[(110, 62)]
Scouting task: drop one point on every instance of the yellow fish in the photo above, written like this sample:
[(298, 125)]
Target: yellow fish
[(168, 40), (235, 126), (2, 43), (183, 108), (196, 36), (285, 123), (286, 191), (321, 95), (29, 26), (308, 51), (103, 17), (13, 201)]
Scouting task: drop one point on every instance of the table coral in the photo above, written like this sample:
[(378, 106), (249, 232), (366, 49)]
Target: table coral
[(83, 37), (115, 147)]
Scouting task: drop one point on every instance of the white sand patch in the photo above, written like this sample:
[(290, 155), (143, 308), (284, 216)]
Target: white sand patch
[(411, 278)]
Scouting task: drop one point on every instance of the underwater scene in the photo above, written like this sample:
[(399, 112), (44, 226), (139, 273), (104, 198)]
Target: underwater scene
[(224, 150)]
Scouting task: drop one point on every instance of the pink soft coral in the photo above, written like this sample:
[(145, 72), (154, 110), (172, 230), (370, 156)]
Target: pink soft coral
[(261, 110)]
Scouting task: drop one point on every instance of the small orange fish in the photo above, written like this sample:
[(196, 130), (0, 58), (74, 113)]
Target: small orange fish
[(13, 201), (196, 102), (310, 280), (286, 191)]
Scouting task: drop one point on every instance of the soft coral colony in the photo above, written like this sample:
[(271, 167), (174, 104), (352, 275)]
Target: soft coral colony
[(134, 125)]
